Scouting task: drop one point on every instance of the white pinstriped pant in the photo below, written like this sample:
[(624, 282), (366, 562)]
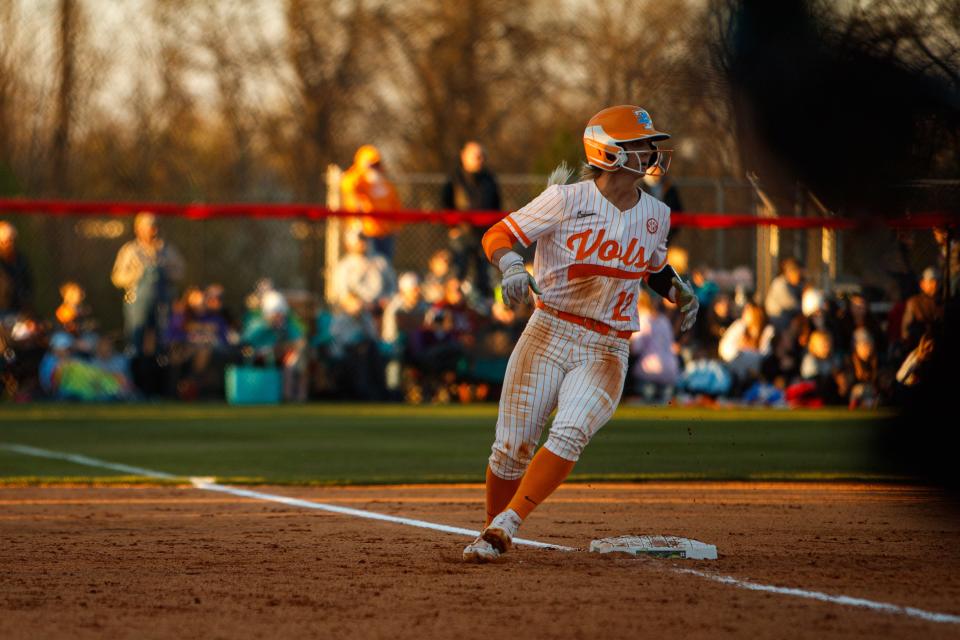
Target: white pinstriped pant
[(556, 365)]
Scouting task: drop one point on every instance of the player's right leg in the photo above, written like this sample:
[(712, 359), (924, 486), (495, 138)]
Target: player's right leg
[(530, 387)]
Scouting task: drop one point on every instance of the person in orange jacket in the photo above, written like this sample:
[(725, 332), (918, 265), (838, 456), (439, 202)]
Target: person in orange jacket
[(365, 188)]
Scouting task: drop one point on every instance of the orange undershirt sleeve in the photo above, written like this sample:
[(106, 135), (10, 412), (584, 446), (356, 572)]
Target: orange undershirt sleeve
[(497, 237)]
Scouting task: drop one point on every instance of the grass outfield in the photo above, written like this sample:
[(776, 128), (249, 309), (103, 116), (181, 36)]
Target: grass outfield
[(369, 444)]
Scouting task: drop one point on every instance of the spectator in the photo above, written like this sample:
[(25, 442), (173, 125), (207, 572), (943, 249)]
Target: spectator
[(72, 315), (16, 280), (501, 329), (471, 187), (439, 272), (402, 321), (107, 358), (213, 301), (710, 329), (703, 287), (893, 323), (746, 343), (253, 303), (819, 311), (863, 371), (354, 349), (923, 311), (679, 259), (199, 347), (61, 345), (657, 369), (783, 297), (769, 389), (193, 323), (146, 269), (916, 368), (855, 315), (365, 189), (277, 337), (819, 361), (661, 187), (65, 377), (451, 329), (706, 379), (369, 277), (823, 369), (949, 257), (791, 342)]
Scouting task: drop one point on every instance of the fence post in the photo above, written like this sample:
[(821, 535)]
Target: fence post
[(720, 206), (331, 253), (829, 257), (768, 240)]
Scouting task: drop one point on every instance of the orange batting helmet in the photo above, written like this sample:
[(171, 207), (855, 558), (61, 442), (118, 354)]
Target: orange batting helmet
[(624, 123)]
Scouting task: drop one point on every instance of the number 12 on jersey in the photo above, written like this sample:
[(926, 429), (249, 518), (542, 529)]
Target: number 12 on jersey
[(621, 310)]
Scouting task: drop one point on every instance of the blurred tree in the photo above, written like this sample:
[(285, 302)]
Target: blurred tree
[(329, 59), (70, 21), (655, 54), (9, 90), (463, 71)]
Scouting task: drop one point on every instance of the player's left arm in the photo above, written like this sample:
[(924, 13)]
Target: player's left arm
[(667, 282)]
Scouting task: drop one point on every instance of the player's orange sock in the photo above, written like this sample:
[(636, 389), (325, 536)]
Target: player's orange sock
[(546, 472), (499, 494)]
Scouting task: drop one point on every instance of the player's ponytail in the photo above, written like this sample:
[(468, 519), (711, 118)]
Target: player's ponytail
[(560, 175), (589, 172)]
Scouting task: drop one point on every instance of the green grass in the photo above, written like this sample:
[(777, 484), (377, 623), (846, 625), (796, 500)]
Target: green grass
[(370, 444)]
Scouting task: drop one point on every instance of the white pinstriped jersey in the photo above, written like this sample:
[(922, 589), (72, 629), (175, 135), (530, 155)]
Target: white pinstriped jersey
[(591, 256)]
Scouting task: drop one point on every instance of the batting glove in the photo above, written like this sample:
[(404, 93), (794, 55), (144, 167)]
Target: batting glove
[(516, 283), (687, 300)]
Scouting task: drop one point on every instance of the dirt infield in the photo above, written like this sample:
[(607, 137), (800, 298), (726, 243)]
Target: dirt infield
[(160, 562)]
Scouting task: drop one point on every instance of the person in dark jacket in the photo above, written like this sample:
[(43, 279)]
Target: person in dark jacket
[(16, 281), (923, 311), (662, 188), (471, 187)]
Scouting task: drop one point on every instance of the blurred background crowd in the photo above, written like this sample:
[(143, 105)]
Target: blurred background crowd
[(441, 333)]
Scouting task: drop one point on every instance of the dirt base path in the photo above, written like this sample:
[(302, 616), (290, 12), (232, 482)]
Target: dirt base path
[(159, 562)]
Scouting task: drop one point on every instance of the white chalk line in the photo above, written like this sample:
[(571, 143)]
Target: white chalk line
[(85, 460), (931, 616), (359, 513), (206, 485)]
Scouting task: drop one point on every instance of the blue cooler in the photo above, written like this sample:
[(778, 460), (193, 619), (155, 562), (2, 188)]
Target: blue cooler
[(253, 385)]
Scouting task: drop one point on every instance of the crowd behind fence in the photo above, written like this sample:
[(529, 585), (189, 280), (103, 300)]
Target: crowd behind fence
[(423, 330), (245, 302)]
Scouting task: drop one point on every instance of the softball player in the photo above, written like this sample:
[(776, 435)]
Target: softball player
[(597, 239)]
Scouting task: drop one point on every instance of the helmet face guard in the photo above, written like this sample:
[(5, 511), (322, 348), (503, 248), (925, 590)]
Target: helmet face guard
[(652, 162), (611, 157)]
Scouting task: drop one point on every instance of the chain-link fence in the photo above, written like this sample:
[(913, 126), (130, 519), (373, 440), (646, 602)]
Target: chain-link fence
[(299, 254), (237, 252)]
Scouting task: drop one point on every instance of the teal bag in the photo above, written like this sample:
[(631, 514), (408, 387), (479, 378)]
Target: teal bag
[(253, 385)]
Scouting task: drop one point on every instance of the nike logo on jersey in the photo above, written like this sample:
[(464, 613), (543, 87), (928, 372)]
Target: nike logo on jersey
[(586, 214)]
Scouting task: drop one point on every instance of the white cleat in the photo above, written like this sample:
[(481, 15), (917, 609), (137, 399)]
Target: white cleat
[(480, 551), (501, 530)]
